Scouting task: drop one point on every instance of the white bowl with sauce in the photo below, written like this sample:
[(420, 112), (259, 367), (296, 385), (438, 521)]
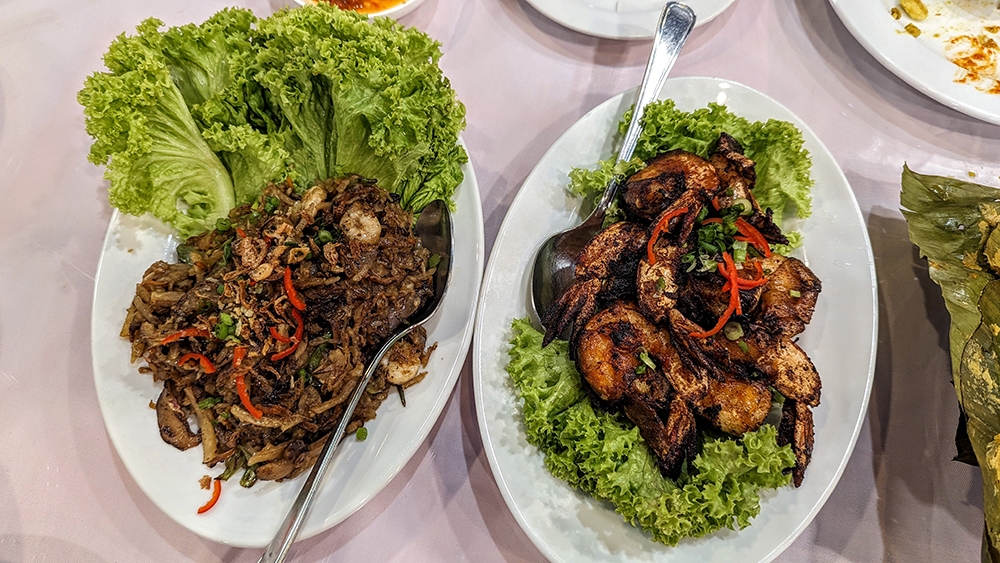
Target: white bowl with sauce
[(372, 8)]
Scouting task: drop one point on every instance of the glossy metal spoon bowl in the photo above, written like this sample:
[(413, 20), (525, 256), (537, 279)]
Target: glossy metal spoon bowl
[(555, 263), (433, 228)]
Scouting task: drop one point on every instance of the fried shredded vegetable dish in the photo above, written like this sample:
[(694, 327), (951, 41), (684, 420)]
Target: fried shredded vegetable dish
[(263, 329)]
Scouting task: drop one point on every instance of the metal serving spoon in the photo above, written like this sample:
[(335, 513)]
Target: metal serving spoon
[(433, 228), (555, 263)]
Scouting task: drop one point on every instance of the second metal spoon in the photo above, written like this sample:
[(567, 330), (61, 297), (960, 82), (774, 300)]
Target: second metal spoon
[(555, 263)]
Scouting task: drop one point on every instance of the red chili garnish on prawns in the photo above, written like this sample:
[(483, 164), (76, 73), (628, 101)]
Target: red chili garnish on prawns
[(662, 224)]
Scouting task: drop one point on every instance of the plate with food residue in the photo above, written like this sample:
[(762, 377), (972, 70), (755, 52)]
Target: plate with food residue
[(947, 49)]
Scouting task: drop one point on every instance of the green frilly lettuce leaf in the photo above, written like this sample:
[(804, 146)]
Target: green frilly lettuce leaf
[(363, 97), (157, 160), (193, 120), (604, 455), (954, 224), (776, 147)]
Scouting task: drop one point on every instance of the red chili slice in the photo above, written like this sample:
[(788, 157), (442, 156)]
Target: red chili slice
[(241, 390), (660, 225), (293, 297), (216, 493), (174, 337), (206, 364)]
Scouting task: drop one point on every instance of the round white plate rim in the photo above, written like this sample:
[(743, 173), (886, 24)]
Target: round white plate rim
[(588, 20), (469, 196), (912, 61), (478, 368)]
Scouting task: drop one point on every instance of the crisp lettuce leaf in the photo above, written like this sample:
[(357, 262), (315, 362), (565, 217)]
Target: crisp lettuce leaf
[(196, 119), (252, 158), (211, 64), (365, 98), (776, 147), (603, 454), (156, 159), (205, 59)]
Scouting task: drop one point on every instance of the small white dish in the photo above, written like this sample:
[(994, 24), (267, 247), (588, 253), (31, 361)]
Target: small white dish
[(567, 525), (250, 517), (395, 12), (620, 19), (921, 62)]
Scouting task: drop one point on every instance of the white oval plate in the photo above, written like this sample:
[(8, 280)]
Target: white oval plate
[(567, 525), (620, 19), (919, 63), (250, 517)]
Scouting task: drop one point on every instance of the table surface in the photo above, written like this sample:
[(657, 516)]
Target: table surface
[(66, 496)]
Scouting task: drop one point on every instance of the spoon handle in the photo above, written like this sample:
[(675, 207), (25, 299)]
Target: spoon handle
[(278, 548), (672, 30)]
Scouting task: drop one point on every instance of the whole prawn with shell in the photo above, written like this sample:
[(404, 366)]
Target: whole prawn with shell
[(683, 316), (264, 328)]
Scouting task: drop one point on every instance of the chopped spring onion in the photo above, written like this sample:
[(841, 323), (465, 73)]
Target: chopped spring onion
[(644, 358), (316, 357), (208, 402), (702, 214), (222, 330), (272, 204), (733, 330), (362, 434), (249, 477), (795, 293), (233, 463), (223, 224), (744, 347), (739, 251), (746, 208), (184, 254), (777, 397), (661, 283), (324, 236)]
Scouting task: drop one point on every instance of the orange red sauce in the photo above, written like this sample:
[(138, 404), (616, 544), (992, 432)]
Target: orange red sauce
[(977, 56), (365, 6)]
